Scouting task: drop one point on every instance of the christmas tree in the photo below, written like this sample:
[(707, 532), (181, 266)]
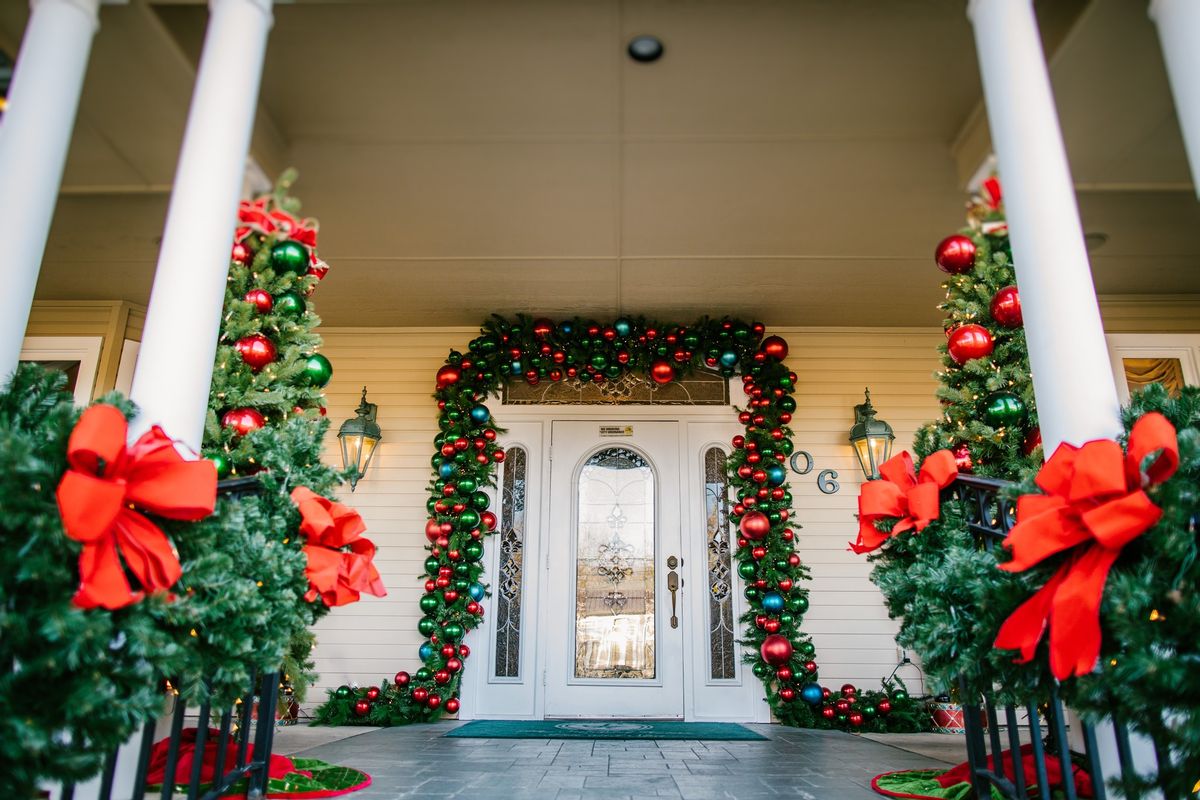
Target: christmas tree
[(988, 418)]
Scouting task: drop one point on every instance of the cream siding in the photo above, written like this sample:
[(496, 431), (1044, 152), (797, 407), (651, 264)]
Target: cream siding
[(113, 321)]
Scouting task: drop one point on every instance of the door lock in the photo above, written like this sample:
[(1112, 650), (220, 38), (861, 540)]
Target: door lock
[(673, 587)]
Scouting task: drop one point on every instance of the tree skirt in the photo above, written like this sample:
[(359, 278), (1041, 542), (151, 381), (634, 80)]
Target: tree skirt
[(288, 777), (954, 784)]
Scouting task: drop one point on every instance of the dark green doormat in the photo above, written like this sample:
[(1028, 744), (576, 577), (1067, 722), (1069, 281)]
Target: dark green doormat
[(603, 729)]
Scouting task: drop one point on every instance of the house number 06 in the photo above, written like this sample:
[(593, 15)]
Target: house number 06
[(802, 464)]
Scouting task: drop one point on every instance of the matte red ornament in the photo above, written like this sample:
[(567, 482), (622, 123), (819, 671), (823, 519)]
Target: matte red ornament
[(1006, 307), (755, 526), (448, 376), (362, 708), (243, 420), (662, 372), (955, 254), (776, 650), (402, 678), (775, 347), (261, 300), (962, 457), (968, 342), (256, 350), (1032, 441)]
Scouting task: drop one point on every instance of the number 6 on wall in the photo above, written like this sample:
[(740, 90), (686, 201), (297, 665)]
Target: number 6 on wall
[(827, 481)]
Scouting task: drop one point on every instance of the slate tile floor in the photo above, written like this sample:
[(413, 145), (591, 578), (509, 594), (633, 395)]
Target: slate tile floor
[(415, 762)]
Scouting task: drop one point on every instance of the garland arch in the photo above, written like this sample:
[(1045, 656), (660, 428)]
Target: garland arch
[(779, 653)]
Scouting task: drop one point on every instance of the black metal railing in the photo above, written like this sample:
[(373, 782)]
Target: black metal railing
[(990, 514)]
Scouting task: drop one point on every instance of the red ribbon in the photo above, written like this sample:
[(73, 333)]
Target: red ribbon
[(992, 193), (97, 496), (338, 576), (253, 216), (902, 495), (1095, 502)]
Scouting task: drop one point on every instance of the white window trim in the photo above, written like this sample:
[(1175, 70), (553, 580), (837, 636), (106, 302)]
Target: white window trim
[(84, 349), (1184, 346)]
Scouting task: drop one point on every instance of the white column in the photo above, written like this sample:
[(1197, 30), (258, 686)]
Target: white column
[(183, 320), (34, 136), (1072, 378), (1179, 30)]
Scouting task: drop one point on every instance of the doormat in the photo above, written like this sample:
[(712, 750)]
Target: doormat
[(603, 729)]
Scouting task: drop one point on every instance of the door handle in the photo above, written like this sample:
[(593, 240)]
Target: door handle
[(673, 587)]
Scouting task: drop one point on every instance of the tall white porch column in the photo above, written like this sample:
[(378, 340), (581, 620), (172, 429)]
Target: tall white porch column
[(1072, 378), (179, 341), (34, 136), (1179, 31)]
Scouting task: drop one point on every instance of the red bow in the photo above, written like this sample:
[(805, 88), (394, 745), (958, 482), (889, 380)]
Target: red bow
[(253, 216), (1094, 501), (991, 192), (901, 494), (335, 575), (97, 496)]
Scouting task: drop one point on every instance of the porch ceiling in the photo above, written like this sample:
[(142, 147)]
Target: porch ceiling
[(794, 161)]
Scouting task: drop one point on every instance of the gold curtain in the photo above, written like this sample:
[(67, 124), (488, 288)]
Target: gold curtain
[(1140, 372)]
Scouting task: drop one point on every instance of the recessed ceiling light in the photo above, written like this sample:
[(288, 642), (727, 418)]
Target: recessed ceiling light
[(645, 49)]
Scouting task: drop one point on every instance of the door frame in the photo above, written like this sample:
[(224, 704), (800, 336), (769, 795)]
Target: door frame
[(538, 530)]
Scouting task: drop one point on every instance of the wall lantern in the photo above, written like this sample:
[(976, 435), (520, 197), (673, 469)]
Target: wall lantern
[(872, 438), (359, 436)]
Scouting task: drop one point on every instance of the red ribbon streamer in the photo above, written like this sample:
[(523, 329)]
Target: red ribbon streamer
[(992, 193), (338, 576), (253, 216), (902, 495), (1095, 503), (97, 496)]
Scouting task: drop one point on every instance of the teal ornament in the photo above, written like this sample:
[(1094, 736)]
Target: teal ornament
[(291, 257), (811, 694), (317, 370), (516, 368), (477, 591), (446, 469), (773, 602), (622, 327), (480, 414), (776, 474), (566, 328), (728, 359), (426, 651)]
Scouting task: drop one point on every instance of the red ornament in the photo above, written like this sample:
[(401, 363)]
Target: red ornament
[(856, 719), (241, 254), (787, 694), (827, 712), (447, 376), (775, 347), (441, 677), (784, 673), (758, 553), (434, 700), (776, 650), (955, 254), (373, 693), (402, 678), (362, 708), (452, 705), (453, 665), (1006, 307), (848, 690), (243, 420), (662, 372), (261, 300), (542, 327), (489, 520), (1033, 440), (968, 342), (842, 705), (256, 350), (755, 526), (420, 694), (962, 457), (772, 625), (884, 706), (498, 456), (433, 529), (317, 269), (810, 667)]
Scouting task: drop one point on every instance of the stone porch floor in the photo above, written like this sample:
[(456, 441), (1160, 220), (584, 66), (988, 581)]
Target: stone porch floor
[(415, 762)]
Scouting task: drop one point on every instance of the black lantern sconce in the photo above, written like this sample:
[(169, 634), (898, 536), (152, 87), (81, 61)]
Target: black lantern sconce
[(359, 437), (872, 438)]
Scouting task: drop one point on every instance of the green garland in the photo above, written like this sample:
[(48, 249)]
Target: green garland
[(464, 464)]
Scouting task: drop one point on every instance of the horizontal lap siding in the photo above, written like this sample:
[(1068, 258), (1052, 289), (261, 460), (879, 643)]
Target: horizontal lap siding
[(370, 640)]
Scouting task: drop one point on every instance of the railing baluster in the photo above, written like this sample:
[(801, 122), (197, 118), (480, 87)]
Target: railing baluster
[(1093, 760), (222, 744), (106, 777), (1014, 744), (168, 787), (265, 734), (143, 764), (994, 737), (198, 753), (1124, 755), (1064, 750), (244, 729), (68, 792), (1039, 752)]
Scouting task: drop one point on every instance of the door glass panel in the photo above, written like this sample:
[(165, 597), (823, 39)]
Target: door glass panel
[(512, 548), (722, 648), (614, 567)]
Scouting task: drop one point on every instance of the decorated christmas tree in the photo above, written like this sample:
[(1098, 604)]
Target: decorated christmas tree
[(988, 418)]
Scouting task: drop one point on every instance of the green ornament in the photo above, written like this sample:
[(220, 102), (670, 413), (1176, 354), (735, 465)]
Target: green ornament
[(290, 304), (453, 414), (599, 361), (752, 593), (480, 501), (342, 692), (221, 462), (786, 619), (317, 370), (899, 696), (461, 584), (1004, 410), (807, 648), (289, 256), (453, 632), (868, 711), (473, 551), (760, 670), (423, 674), (429, 603), (431, 566), (427, 626), (468, 519), (462, 568), (747, 570), (785, 383), (467, 484), (797, 604), (787, 403)]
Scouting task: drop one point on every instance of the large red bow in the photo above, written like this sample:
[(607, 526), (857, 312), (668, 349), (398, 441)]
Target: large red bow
[(900, 493), (97, 496), (253, 216), (1094, 500), (337, 576)]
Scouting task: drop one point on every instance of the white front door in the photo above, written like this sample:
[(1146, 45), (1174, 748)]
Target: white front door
[(615, 643)]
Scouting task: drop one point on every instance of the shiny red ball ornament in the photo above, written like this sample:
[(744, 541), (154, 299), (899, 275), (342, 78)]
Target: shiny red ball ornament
[(256, 350), (784, 673), (842, 705), (453, 665), (474, 608), (772, 625), (402, 678), (776, 650), (433, 529), (787, 694), (758, 553), (452, 705), (827, 712), (448, 651), (373, 693), (955, 254), (261, 300), (755, 526), (825, 693), (970, 341), (434, 701), (848, 690), (488, 519), (463, 651), (785, 584), (884, 706), (794, 559), (810, 667), (856, 719), (243, 420), (498, 456), (542, 327), (962, 457), (1032, 440), (362, 707), (1006, 307), (662, 372), (450, 596), (240, 253), (420, 694), (448, 376), (774, 347), (739, 441), (441, 677), (758, 476)]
